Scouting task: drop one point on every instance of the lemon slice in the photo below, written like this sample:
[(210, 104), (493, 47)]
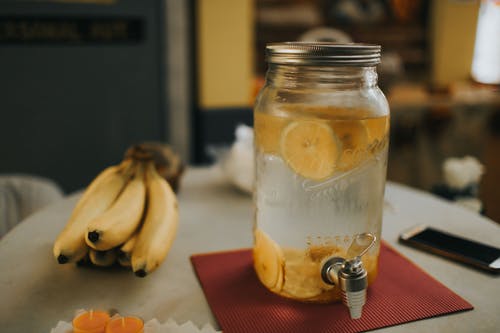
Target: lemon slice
[(354, 137), (267, 132), (268, 261), (310, 148)]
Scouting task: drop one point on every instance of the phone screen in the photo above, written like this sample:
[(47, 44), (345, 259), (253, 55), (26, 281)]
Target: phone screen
[(448, 243)]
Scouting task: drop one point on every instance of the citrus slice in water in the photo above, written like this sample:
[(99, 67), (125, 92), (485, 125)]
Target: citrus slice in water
[(267, 132), (268, 261), (354, 137), (310, 148)]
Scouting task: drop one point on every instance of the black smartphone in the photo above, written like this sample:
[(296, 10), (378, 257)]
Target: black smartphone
[(454, 247)]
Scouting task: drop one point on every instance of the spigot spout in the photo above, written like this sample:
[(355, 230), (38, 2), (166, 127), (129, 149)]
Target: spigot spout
[(355, 302), (353, 280)]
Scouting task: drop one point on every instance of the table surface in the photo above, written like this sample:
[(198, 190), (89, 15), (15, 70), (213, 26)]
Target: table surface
[(36, 292)]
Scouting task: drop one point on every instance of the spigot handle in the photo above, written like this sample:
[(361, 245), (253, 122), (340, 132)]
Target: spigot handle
[(360, 245)]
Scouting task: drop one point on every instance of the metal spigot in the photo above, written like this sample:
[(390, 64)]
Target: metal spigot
[(350, 275)]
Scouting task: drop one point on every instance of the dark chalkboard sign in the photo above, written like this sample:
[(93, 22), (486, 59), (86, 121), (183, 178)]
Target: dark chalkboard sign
[(70, 30), (79, 83)]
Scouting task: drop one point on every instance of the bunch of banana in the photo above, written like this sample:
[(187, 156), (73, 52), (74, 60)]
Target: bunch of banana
[(127, 215)]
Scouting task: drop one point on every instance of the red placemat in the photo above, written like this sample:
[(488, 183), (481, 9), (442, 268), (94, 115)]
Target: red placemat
[(401, 293)]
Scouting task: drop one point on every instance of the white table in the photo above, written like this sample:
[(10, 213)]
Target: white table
[(36, 292)]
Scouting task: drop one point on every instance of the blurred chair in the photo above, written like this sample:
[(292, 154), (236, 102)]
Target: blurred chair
[(22, 195)]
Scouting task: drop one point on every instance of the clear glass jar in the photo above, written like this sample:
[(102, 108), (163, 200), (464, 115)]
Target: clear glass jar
[(321, 141)]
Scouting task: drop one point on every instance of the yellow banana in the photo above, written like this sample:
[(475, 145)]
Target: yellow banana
[(125, 251), (160, 225), (103, 258), (124, 261), (118, 223), (100, 194)]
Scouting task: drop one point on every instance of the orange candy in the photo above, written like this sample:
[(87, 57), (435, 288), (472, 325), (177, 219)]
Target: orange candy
[(90, 322), (125, 325)]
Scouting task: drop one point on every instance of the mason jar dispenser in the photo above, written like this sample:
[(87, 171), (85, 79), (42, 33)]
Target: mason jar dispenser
[(321, 141)]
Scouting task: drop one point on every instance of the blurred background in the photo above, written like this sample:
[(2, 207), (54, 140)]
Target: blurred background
[(82, 80)]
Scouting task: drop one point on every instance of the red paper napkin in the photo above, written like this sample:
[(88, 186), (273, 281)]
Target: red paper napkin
[(401, 293)]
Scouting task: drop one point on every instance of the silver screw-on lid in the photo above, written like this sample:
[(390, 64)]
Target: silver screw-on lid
[(320, 53)]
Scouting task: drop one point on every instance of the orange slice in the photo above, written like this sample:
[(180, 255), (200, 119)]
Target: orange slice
[(310, 148), (267, 132), (268, 261), (354, 137)]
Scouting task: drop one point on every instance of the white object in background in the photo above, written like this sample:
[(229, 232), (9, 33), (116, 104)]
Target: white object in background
[(239, 164), (462, 172), (486, 60)]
